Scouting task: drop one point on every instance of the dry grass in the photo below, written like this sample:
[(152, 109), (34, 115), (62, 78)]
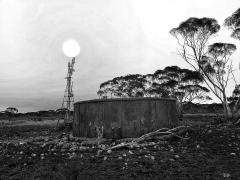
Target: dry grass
[(47, 122)]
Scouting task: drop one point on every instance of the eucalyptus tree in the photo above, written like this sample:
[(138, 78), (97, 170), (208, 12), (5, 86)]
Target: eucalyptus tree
[(183, 84), (213, 61), (190, 87), (235, 95), (218, 68), (233, 23), (193, 36), (173, 82), (11, 111), (132, 85)]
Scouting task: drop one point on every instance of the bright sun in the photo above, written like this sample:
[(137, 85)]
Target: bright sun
[(71, 48)]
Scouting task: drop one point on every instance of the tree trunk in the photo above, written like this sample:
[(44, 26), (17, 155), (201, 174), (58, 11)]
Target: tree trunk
[(179, 109), (236, 110), (227, 111)]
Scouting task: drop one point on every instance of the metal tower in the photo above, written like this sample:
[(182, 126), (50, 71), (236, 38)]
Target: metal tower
[(68, 98)]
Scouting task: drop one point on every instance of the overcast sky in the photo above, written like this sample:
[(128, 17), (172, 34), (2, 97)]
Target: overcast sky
[(117, 37)]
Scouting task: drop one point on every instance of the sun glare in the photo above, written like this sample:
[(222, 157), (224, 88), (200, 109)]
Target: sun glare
[(71, 48)]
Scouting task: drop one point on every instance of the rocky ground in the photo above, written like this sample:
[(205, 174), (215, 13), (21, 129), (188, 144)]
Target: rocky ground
[(33, 152)]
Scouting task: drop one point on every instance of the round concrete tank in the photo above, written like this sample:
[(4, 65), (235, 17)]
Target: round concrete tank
[(123, 117)]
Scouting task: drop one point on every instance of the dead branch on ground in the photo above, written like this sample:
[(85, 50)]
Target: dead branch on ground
[(159, 136)]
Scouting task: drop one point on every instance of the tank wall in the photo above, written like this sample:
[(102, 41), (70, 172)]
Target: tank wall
[(121, 118)]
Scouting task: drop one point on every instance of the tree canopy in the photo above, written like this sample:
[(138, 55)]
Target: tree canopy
[(233, 22), (172, 81), (11, 110), (197, 28), (192, 36)]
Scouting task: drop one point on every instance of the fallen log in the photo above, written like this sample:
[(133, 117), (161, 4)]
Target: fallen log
[(163, 134)]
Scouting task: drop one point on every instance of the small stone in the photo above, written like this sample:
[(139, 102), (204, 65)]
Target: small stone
[(120, 157), (209, 131), (21, 152), (105, 158), (43, 145), (172, 150), (130, 152), (198, 146), (233, 154), (176, 156), (152, 157), (98, 152), (226, 175), (124, 155), (171, 160), (109, 151)]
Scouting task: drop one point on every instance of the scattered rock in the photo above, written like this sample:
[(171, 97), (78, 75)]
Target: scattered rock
[(226, 175), (109, 151), (176, 156), (130, 152)]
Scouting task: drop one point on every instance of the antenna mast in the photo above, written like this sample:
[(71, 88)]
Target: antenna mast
[(68, 98)]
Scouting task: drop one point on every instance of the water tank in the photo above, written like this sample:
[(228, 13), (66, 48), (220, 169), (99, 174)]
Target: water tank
[(123, 117)]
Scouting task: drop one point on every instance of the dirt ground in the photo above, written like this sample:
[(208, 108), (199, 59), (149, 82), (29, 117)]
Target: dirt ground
[(40, 152)]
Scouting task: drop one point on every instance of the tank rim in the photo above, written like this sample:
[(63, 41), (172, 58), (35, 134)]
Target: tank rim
[(124, 99)]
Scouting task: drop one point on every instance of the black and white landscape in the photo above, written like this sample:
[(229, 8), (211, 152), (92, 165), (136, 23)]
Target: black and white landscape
[(119, 89)]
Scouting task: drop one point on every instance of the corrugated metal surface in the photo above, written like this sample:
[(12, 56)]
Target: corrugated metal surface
[(122, 118)]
